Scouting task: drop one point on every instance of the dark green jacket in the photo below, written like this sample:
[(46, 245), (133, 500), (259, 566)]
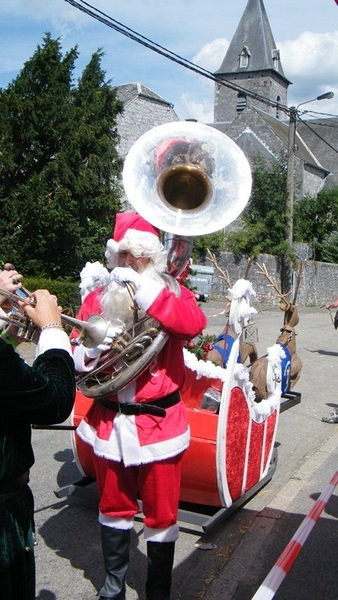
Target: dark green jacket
[(43, 394)]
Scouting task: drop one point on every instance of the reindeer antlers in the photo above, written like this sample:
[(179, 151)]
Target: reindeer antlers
[(262, 270), (223, 274)]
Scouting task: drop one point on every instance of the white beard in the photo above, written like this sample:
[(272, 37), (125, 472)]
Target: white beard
[(151, 273), (116, 303)]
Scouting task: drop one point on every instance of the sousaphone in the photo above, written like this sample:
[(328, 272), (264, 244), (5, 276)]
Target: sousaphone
[(187, 179)]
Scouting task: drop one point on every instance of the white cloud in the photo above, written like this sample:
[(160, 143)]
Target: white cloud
[(211, 55), (311, 55), (191, 108), (310, 61)]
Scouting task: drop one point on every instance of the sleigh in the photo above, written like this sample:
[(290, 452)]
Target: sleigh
[(233, 414), (231, 455)]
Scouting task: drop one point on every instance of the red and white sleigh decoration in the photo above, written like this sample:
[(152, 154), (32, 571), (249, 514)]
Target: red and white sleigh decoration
[(230, 451)]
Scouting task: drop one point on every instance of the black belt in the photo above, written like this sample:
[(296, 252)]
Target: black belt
[(156, 408), (13, 485)]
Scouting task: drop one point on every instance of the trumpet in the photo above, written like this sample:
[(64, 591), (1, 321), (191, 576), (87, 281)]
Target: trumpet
[(92, 332)]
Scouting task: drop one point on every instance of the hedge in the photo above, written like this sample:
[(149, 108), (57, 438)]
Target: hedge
[(67, 292)]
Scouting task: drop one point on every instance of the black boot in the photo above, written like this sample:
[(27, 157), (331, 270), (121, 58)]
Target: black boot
[(115, 549), (160, 564)]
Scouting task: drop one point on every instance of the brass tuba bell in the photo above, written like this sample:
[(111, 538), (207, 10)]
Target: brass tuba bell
[(187, 178)]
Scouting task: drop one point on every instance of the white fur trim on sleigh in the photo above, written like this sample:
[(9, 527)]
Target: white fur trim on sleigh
[(260, 410), (203, 368)]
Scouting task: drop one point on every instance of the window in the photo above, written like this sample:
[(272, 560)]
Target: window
[(275, 58), (277, 107), (244, 58), (241, 102)]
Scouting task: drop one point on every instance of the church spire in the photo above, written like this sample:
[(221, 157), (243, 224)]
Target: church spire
[(253, 63)]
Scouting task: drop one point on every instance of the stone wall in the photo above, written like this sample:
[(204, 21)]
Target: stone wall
[(139, 116), (318, 285)]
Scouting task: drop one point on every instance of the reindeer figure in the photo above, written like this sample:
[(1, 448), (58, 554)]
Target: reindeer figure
[(291, 363), (223, 343)]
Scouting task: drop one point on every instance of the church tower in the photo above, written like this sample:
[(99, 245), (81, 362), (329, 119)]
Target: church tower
[(253, 63)]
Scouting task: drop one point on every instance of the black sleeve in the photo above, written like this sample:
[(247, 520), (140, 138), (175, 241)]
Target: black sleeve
[(43, 393)]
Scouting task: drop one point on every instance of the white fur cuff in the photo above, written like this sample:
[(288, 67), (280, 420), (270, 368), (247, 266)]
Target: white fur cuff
[(80, 356), (169, 534), (148, 292)]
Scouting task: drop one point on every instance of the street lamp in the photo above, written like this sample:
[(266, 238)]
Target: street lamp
[(326, 96), (291, 161)]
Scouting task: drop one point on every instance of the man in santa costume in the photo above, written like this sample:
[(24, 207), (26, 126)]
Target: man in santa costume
[(139, 435)]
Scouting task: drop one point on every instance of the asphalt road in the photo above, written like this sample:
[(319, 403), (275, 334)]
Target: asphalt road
[(231, 561)]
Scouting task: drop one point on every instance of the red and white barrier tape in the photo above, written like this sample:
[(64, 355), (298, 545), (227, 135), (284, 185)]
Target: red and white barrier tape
[(281, 567), (223, 312)]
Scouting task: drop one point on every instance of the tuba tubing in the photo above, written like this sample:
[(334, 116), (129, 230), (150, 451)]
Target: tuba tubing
[(119, 379), (128, 361)]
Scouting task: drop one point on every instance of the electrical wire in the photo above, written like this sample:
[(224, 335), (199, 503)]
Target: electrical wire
[(144, 41)]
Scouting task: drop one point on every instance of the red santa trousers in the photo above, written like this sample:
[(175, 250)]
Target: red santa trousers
[(156, 483)]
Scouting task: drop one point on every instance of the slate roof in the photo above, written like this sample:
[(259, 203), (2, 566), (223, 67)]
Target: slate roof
[(281, 129), (129, 91), (321, 135), (253, 32)]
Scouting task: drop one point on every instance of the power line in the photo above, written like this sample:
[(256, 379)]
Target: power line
[(97, 14)]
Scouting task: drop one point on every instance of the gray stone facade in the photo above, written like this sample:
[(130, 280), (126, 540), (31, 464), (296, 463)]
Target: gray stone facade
[(227, 104), (143, 110)]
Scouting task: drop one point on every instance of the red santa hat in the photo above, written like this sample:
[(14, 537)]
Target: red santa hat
[(131, 220), (132, 232)]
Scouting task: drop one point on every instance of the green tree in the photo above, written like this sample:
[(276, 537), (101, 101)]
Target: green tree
[(264, 220), (214, 242), (60, 170), (316, 224)]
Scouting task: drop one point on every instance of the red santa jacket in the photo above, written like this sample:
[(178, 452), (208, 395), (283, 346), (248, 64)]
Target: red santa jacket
[(139, 439)]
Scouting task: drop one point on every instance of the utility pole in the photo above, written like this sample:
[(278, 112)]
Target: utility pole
[(291, 173), (292, 147)]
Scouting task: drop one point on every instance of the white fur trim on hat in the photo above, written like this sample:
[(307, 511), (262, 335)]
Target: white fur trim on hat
[(138, 243), (111, 253)]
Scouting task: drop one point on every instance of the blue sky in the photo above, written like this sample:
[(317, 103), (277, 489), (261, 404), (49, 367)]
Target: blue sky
[(305, 31)]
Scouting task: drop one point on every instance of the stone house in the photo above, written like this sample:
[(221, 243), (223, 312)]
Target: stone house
[(143, 110)]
